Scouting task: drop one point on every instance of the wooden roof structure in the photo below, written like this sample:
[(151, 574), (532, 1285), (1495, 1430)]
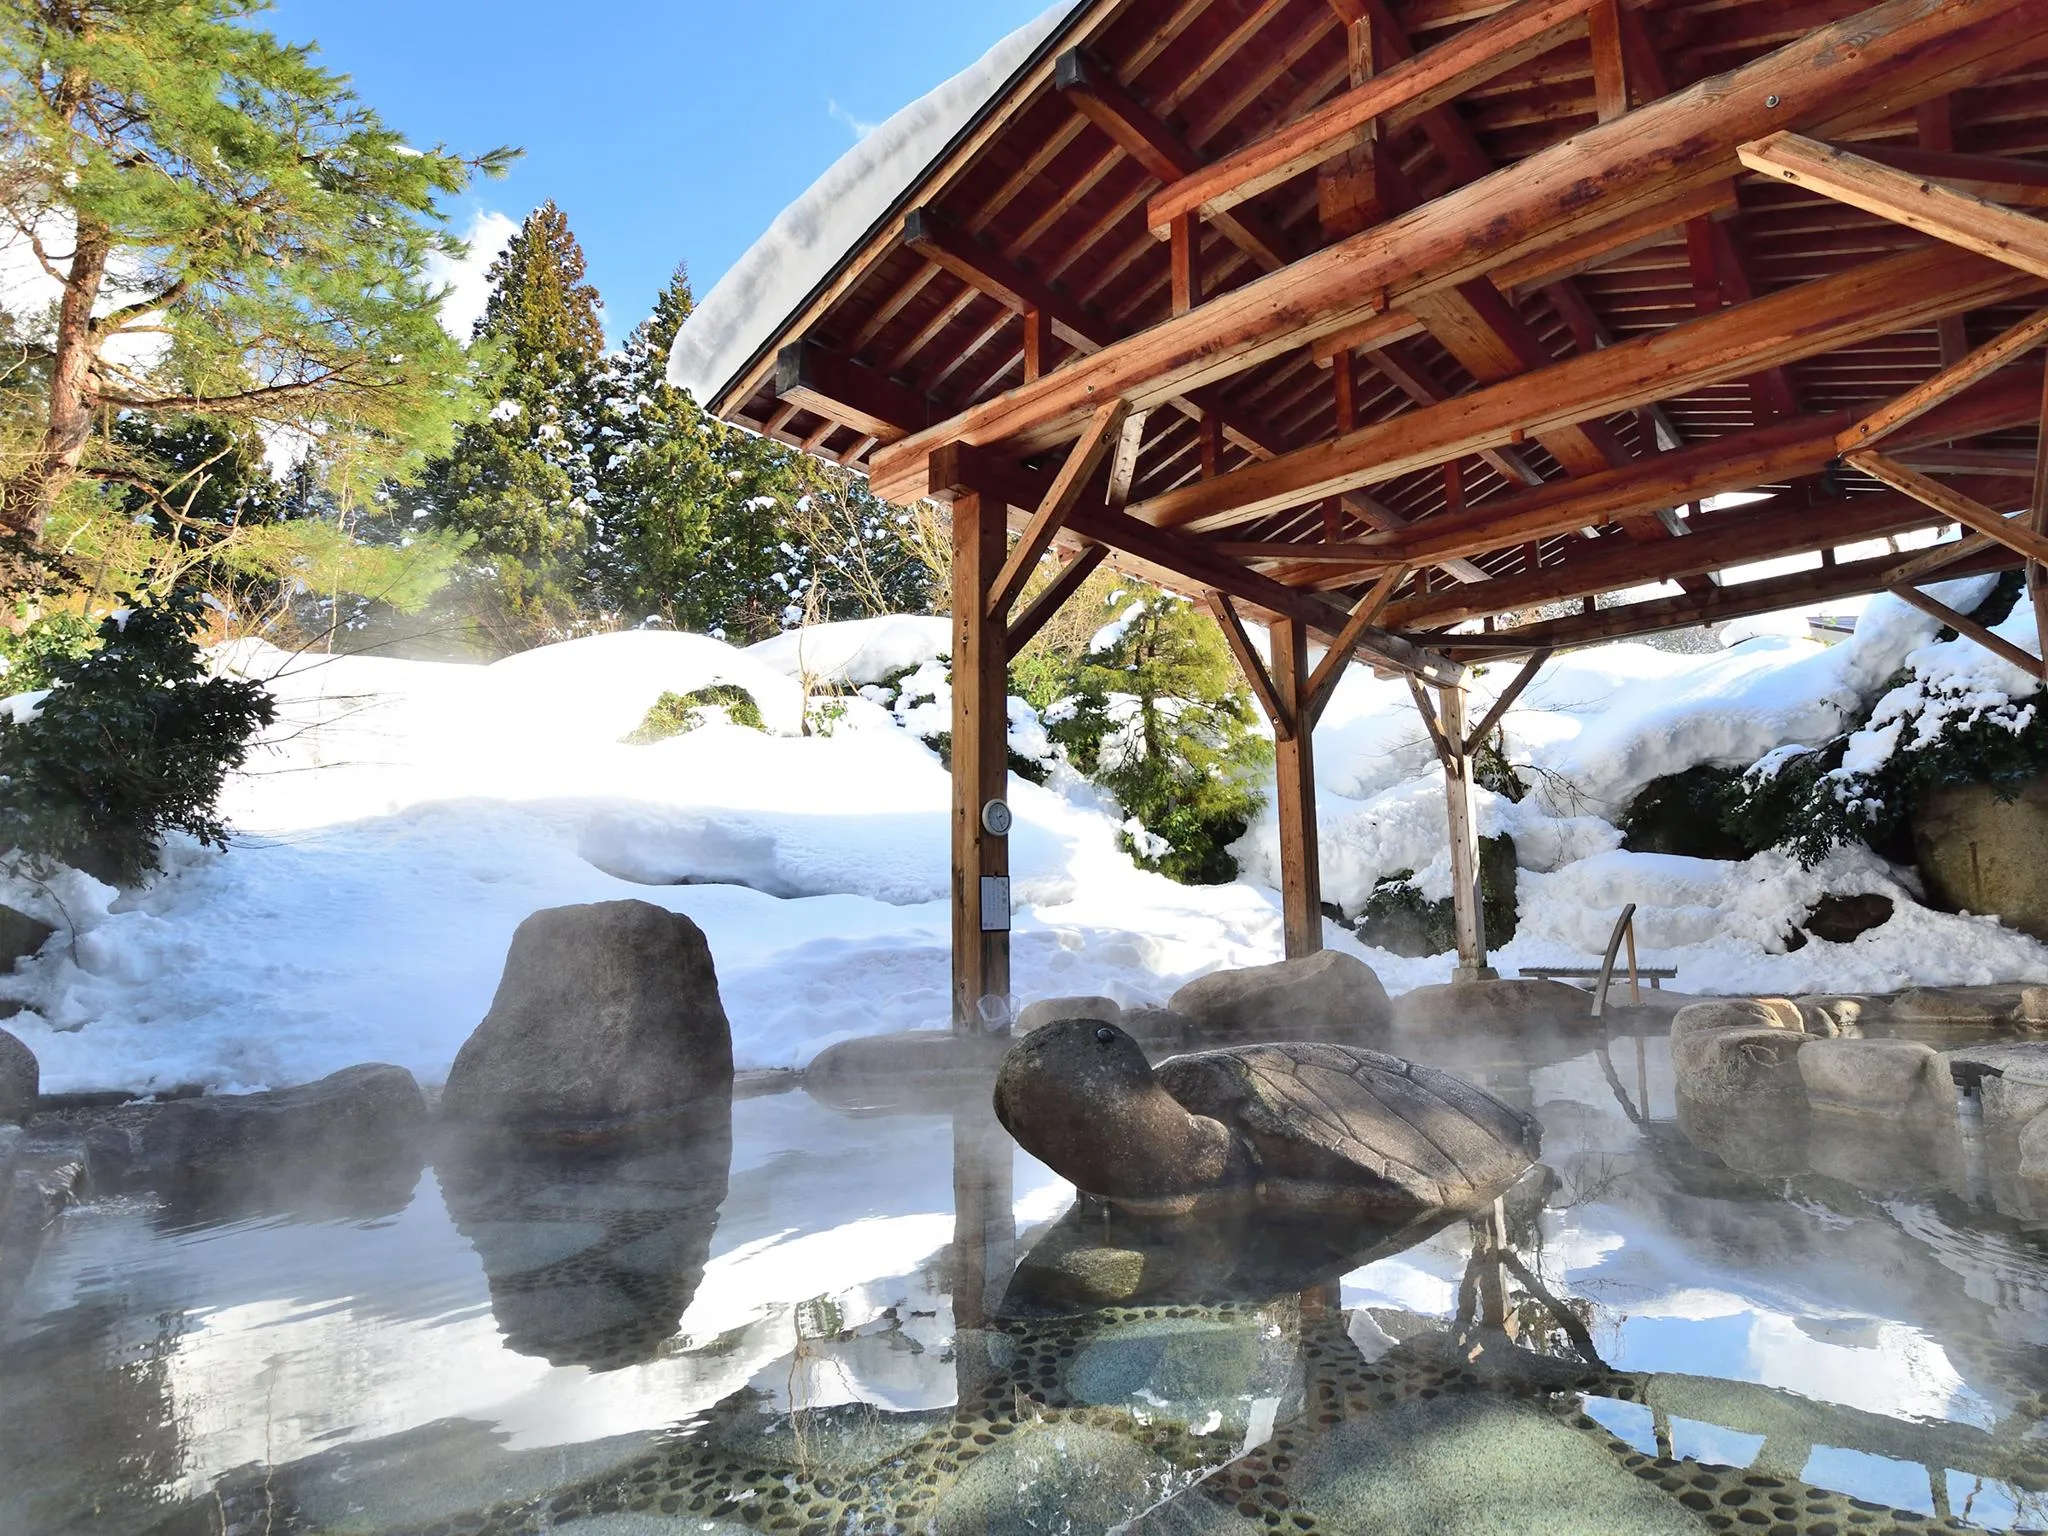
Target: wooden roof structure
[(1425, 325)]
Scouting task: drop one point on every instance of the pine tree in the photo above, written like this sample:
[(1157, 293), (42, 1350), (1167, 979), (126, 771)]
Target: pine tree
[(521, 482), (228, 232)]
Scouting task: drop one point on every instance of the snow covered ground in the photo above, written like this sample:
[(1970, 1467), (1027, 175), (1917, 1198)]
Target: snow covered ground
[(405, 816)]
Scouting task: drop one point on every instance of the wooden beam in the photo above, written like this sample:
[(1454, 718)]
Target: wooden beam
[(1277, 714), (1037, 344), (2017, 535), (1615, 565), (2037, 509), (1330, 670), (1934, 124), (1947, 384), (819, 380), (1394, 364), (1123, 468), (1468, 899), (1610, 64), (1919, 204), (1994, 178), (1875, 299), (1939, 558), (1392, 99), (980, 766), (1883, 60), (1040, 610), (1294, 799), (1970, 629), (1427, 710), (1173, 562), (1163, 153), (1477, 737), (1051, 514), (1739, 601)]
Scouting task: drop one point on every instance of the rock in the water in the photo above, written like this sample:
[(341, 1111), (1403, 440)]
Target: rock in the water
[(2010, 1078), (1891, 1076), (307, 1144), (593, 1254), (1958, 1007), (1842, 919), (608, 1018), (917, 1068), (1491, 1007), (2034, 1007), (2034, 1149), (20, 1080), (1053, 1477), (1738, 1013), (1984, 853), (21, 937), (1731, 1063), (1160, 1030), (1329, 996), (1105, 1010)]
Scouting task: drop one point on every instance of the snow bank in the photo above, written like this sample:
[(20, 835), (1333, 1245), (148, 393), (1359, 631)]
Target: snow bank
[(405, 817), (857, 652), (811, 235)]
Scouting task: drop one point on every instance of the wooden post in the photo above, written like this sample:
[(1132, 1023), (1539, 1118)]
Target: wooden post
[(981, 859), (1466, 895), (1301, 870)]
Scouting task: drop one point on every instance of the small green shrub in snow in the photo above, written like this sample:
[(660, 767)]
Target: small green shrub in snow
[(677, 714), (27, 658), (134, 742)]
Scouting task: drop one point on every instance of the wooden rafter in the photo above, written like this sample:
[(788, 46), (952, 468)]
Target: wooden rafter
[(1039, 611), (1866, 301), (1947, 384), (2015, 534), (1506, 701), (1890, 56), (1970, 629)]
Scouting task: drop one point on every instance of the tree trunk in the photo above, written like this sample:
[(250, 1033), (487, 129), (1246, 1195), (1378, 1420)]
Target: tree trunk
[(29, 499)]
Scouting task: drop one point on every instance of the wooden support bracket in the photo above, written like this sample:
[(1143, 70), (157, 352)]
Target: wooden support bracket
[(1945, 385), (2018, 535), (1506, 701), (1436, 731), (1255, 672), (1039, 612), (1926, 206), (1323, 682), (1082, 462), (1970, 629)]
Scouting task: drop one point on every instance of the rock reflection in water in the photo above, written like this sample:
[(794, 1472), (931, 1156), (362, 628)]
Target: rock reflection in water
[(593, 1254)]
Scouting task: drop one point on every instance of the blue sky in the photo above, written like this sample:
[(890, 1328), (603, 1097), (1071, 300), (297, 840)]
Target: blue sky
[(666, 131)]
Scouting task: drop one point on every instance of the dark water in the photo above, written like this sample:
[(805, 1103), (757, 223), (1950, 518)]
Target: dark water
[(890, 1320)]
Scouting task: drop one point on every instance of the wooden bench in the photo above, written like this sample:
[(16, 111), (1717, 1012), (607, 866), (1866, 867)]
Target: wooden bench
[(1656, 976)]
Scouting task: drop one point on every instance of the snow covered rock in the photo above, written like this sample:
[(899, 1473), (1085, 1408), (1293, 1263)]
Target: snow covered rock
[(362, 1116), (858, 651), (1328, 996), (20, 1080), (607, 1017), (21, 936)]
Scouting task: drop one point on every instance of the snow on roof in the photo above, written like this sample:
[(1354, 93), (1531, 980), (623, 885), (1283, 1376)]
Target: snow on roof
[(809, 238)]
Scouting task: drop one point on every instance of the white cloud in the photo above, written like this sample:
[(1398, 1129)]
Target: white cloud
[(467, 285), (859, 127)]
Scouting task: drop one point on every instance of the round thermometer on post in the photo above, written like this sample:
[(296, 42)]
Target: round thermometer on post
[(996, 819)]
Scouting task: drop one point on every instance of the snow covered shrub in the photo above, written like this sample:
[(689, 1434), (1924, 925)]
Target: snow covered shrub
[(133, 741), (1694, 814), (26, 659), (677, 714), (1156, 716), (921, 698)]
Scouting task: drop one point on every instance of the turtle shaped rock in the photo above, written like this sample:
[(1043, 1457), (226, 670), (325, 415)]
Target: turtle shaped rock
[(1289, 1124)]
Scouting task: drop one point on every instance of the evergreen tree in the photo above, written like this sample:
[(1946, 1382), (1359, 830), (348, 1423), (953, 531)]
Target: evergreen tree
[(520, 482), (228, 233), (711, 528)]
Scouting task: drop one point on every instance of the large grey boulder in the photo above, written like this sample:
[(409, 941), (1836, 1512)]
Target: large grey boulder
[(364, 1115), (1329, 996), (2011, 1078), (1889, 1076), (20, 1080), (2034, 1149), (1981, 853), (607, 1018)]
